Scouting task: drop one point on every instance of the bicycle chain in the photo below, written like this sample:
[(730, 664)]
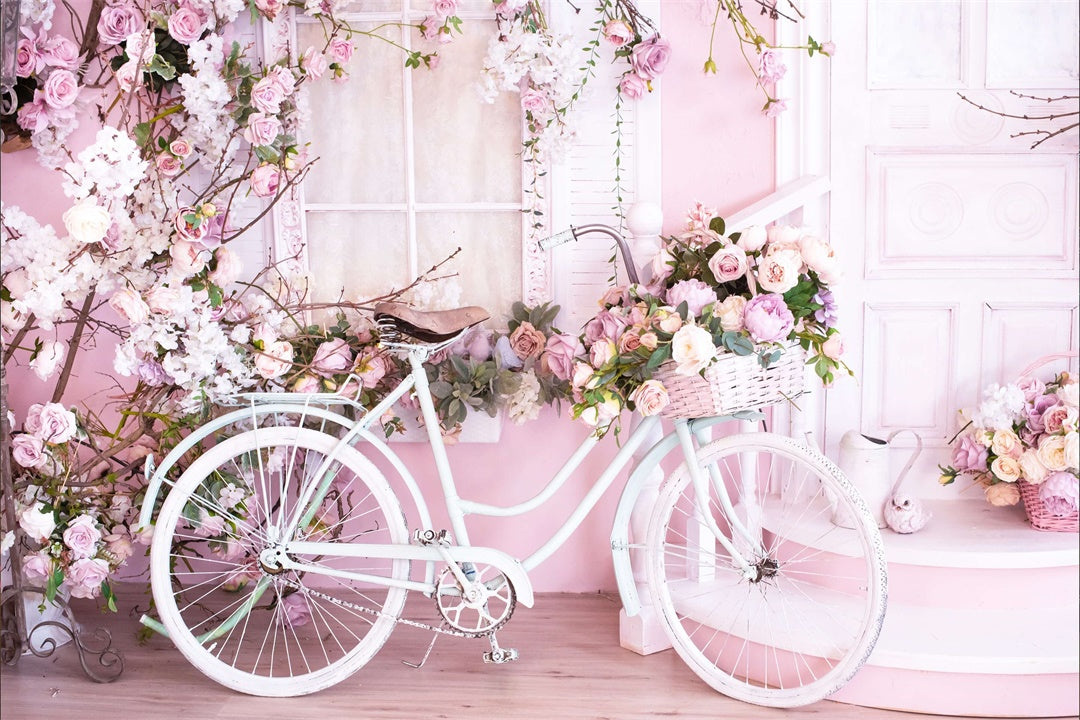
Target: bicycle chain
[(379, 613)]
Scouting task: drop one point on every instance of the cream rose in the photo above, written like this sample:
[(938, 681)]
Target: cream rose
[(1072, 451), (819, 257), (778, 272), (730, 313), (670, 322), (1006, 468), (650, 398), (129, 305), (274, 360), (1002, 494), (752, 238), (1068, 394), (692, 348), (1033, 470), (833, 347), (162, 299), (1052, 452), (188, 258), (649, 340), (1006, 442), (783, 234), (87, 222)]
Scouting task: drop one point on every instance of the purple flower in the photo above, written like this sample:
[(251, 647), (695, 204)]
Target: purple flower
[(505, 354), (650, 56), (1060, 494), (295, 610), (827, 314), (768, 318), (151, 373), (696, 294), (770, 67), (969, 454)]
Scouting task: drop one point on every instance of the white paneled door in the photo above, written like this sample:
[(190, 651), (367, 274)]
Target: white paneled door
[(960, 242)]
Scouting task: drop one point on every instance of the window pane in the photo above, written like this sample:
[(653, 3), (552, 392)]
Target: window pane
[(362, 254), (357, 129), (466, 150), (489, 264)]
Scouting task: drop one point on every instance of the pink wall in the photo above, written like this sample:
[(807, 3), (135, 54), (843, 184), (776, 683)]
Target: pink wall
[(716, 148)]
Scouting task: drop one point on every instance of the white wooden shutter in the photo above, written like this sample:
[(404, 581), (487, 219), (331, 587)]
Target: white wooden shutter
[(583, 183)]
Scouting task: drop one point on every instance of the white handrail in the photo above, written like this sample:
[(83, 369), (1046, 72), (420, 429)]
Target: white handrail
[(777, 204)]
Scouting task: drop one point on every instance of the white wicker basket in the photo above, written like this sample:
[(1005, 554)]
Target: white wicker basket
[(732, 383)]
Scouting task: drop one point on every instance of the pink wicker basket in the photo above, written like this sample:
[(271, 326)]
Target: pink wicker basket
[(1039, 517), (733, 383)]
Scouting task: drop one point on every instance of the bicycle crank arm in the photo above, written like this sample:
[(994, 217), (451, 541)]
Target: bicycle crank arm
[(289, 555)]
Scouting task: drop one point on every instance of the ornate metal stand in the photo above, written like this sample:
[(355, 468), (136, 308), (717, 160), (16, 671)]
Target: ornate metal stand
[(99, 660)]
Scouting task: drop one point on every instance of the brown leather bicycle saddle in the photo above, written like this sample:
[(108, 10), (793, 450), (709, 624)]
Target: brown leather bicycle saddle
[(432, 325)]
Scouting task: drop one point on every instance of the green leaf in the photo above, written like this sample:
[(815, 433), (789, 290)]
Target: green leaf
[(659, 355), (737, 343), (142, 134), (216, 295), (107, 593), (160, 66), (717, 223), (53, 584)]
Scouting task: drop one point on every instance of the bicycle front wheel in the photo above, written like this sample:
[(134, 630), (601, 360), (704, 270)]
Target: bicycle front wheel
[(796, 626), (250, 625)]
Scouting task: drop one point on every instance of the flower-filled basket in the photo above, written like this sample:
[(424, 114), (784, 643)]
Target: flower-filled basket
[(732, 383), (724, 323), (1021, 444)]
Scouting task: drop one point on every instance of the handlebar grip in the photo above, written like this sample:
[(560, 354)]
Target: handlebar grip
[(558, 239)]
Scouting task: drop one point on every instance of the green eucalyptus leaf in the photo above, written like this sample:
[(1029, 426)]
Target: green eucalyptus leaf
[(717, 225)]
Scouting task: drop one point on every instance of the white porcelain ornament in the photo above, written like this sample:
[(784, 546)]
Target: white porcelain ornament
[(905, 514)]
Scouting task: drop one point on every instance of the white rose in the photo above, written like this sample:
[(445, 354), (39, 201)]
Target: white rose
[(162, 299), (129, 305), (819, 257), (1052, 452), (783, 234), (692, 348), (1069, 394), (188, 258), (752, 238), (48, 359), (730, 313), (1072, 451), (87, 222), (1006, 468), (228, 267), (28, 450), (1034, 471), (37, 522), (275, 359), (778, 272)]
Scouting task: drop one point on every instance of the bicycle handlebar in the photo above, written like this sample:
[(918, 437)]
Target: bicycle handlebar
[(576, 232)]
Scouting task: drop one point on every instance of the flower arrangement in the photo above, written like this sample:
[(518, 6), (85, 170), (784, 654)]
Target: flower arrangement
[(750, 292), (1024, 432)]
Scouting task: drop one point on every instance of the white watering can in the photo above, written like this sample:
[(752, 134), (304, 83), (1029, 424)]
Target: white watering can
[(865, 462)]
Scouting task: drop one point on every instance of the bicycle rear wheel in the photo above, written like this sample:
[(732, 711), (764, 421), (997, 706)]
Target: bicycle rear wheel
[(809, 614), (253, 627)]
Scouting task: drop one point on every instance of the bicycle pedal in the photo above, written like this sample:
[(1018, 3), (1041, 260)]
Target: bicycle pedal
[(501, 656)]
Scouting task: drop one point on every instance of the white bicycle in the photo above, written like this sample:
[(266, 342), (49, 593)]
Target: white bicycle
[(282, 556)]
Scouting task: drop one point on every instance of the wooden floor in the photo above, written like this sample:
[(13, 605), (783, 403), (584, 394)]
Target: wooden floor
[(571, 666)]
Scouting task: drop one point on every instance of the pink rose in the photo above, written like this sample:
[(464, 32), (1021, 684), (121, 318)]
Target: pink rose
[(53, 423), (168, 164), (61, 52), (116, 23), (129, 305), (770, 68), (605, 324), (162, 299), (37, 567), (768, 318), (82, 536), (728, 263), (1054, 417), (262, 129), (34, 116), (969, 454), (444, 8), (209, 525), (828, 48), (820, 257), (753, 238), (833, 347), (27, 58), (61, 89), (773, 108), (266, 96), (696, 294), (48, 359), (119, 546), (535, 102), (633, 86), (180, 148), (127, 76), (274, 359), (371, 367), (307, 384), (295, 611), (332, 357), (265, 180), (341, 50), (188, 258), (601, 353), (560, 353), (84, 577), (650, 56), (618, 33), (526, 341), (28, 450), (432, 28), (313, 63), (270, 8), (629, 341), (227, 267), (650, 398), (186, 25)]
